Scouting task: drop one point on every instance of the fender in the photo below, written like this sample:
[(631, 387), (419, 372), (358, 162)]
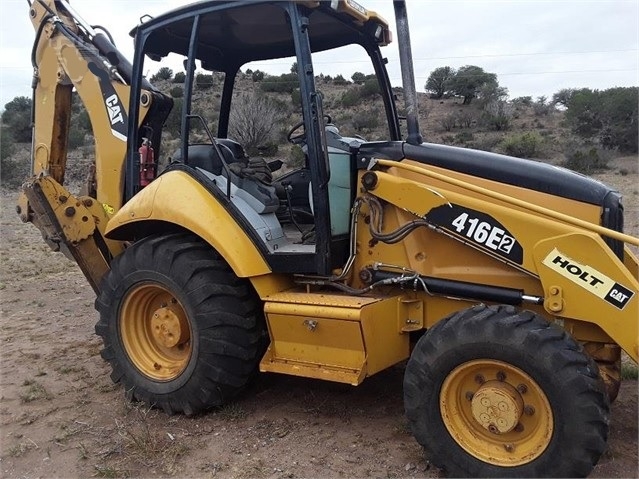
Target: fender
[(179, 199)]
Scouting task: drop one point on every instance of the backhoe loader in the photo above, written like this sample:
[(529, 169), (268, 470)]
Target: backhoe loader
[(507, 285)]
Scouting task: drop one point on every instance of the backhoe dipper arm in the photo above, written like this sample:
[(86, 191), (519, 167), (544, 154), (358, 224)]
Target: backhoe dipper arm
[(67, 54)]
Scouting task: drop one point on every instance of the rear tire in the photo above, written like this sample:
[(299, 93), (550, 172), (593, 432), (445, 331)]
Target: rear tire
[(497, 392), (180, 330)]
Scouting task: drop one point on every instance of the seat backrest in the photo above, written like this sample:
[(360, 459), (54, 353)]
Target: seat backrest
[(262, 198), (205, 156)]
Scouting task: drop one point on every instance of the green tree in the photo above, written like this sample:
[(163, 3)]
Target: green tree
[(562, 97), (164, 73), (358, 78), (6, 143), (17, 118), (257, 75), (340, 80), (609, 116), (469, 80), (294, 68), (439, 81)]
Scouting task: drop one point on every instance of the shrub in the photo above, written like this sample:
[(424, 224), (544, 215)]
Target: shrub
[(586, 160), (296, 158), (177, 92), (366, 120), (203, 81), (541, 107), (465, 119), (524, 145), (369, 88), (498, 115), (296, 98), (252, 121), (351, 97), (448, 122), (464, 137), (180, 77), (12, 171), (173, 124), (257, 75), (486, 143), (284, 83)]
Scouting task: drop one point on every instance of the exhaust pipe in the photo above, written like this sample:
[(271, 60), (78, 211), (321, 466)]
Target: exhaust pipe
[(408, 74)]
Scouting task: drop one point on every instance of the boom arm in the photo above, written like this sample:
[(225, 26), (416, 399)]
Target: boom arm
[(68, 54)]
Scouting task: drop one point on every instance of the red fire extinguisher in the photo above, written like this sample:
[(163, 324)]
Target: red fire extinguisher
[(147, 163)]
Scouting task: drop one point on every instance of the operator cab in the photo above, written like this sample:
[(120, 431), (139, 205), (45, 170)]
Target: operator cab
[(214, 41)]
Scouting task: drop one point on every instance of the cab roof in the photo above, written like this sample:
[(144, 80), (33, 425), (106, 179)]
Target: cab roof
[(232, 33)]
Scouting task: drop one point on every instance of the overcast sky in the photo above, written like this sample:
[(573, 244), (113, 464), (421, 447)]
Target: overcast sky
[(535, 47)]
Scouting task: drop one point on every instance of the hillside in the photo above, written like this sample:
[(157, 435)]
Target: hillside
[(267, 107)]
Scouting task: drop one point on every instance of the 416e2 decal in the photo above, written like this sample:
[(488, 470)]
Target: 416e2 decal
[(478, 228)]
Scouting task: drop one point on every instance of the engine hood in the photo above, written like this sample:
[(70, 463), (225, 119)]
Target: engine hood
[(529, 174)]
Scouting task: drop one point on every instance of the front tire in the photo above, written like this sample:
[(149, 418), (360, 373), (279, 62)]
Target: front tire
[(497, 392), (180, 330)]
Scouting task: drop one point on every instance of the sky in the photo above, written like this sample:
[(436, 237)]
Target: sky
[(535, 47)]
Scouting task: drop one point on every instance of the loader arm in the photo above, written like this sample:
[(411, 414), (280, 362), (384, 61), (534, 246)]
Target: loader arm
[(580, 276), (68, 54)]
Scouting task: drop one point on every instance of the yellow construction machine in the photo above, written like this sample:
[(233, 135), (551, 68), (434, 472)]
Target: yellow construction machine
[(507, 285)]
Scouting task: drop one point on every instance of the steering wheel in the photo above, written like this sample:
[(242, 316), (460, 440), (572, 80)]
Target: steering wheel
[(299, 138)]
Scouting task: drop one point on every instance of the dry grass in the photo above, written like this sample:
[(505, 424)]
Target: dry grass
[(34, 391)]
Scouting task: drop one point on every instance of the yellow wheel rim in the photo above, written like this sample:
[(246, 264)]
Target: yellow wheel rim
[(496, 412), (155, 332)]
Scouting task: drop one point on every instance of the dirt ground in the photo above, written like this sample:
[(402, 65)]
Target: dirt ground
[(61, 416)]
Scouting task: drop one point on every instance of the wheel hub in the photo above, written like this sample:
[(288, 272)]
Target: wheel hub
[(155, 331), (496, 412), (497, 406), (167, 327)]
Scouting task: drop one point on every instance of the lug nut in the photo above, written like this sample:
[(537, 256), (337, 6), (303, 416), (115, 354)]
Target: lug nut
[(69, 212), (479, 379), (519, 427), (529, 410), (509, 447), (501, 376), (469, 395), (522, 388), (492, 428)]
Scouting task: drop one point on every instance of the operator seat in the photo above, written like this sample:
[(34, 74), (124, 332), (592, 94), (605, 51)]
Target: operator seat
[(261, 197)]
